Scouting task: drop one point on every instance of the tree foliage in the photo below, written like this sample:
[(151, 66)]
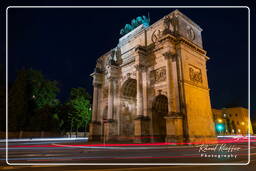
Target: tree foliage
[(18, 102), (33, 105), (80, 113), (31, 95), (43, 92)]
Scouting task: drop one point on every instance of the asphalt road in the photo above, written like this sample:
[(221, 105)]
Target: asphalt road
[(31, 154)]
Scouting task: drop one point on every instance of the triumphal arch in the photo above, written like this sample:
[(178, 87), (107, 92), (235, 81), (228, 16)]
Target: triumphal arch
[(153, 85)]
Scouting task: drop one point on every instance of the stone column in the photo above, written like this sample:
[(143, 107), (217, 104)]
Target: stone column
[(145, 93), (110, 126), (172, 83), (167, 56), (110, 98), (95, 102), (174, 119), (139, 69), (141, 123), (95, 125)]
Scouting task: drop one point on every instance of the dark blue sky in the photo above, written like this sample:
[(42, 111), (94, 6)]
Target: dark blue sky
[(65, 43)]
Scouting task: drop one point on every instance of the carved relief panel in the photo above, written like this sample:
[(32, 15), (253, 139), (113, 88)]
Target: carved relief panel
[(158, 75), (195, 74)]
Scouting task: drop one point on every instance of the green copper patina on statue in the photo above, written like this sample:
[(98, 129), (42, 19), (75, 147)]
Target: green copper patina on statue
[(135, 23)]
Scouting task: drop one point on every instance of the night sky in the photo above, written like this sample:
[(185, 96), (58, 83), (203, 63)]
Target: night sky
[(65, 43)]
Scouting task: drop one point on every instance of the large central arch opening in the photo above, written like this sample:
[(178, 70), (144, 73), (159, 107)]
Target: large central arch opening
[(159, 111), (128, 108)]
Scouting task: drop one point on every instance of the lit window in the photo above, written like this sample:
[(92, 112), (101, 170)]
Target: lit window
[(242, 123), (239, 130)]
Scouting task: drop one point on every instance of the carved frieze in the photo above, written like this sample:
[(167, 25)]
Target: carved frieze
[(195, 74), (158, 75)]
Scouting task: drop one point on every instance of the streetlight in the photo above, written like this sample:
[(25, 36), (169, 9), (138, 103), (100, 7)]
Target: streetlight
[(220, 120)]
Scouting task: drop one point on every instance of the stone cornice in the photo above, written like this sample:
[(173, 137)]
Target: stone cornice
[(195, 85), (141, 50), (168, 37), (192, 46)]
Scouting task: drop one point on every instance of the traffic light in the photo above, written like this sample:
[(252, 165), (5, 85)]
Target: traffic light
[(219, 127)]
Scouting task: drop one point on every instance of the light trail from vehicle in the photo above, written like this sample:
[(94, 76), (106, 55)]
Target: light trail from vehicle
[(44, 139)]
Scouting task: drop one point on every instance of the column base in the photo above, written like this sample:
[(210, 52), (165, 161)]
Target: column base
[(174, 128), (141, 129), (110, 131), (174, 139), (95, 131)]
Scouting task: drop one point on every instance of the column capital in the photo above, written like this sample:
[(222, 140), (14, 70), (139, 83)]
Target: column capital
[(98, 85), (113, 72), (142, 117), (169, 55), (173, 115), (111, 78), (97, 78), (140, 50), (140, 67)]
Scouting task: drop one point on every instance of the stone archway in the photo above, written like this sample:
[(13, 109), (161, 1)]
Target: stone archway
[(159, 111), (128, 107)]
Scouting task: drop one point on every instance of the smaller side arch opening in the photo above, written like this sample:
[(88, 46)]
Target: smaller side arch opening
[(159, 111)]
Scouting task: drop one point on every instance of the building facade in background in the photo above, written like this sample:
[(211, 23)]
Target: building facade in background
[(153, 85), (232, 121)]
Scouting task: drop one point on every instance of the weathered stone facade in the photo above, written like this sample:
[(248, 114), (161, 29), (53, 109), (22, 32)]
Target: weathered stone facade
[(154, 84), (235, 121)]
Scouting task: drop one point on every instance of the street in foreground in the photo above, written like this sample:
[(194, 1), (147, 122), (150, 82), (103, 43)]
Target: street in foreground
[(78, 151)]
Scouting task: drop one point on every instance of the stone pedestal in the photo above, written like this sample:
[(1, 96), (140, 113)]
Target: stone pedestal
[(110, 131), (95, 131), (141, 129), (174, 128)]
